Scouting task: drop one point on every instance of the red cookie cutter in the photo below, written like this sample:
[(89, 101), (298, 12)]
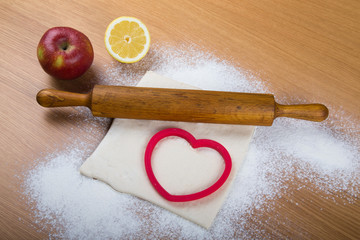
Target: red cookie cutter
[(195, 144)]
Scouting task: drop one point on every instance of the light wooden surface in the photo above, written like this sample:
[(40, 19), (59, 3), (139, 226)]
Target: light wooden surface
[(304, 49)]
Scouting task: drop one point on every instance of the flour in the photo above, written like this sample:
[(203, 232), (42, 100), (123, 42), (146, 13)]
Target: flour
[(75, 207)]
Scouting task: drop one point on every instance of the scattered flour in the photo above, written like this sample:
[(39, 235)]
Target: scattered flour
[(75, 207)]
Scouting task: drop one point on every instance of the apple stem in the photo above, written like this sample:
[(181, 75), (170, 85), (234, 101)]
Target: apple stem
[(64, 45)]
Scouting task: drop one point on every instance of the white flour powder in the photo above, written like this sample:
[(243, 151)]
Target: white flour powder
[(75, 207)]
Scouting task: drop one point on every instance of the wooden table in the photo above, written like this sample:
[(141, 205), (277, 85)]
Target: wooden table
[(304, 49)]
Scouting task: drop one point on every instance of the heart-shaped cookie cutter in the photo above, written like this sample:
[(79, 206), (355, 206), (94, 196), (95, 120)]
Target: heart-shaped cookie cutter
[(195, 143)]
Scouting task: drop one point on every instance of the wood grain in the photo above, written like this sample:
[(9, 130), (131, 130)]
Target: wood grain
[(182, 105), (306, 50)]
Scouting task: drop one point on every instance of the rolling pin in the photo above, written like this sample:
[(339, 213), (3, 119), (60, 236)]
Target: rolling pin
[(182, 105)]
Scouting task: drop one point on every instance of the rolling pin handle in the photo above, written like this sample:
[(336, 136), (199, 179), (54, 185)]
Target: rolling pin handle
[(310, 112), (57, 98)]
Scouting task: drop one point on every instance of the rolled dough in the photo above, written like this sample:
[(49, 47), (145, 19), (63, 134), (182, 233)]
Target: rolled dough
[(119, 159)]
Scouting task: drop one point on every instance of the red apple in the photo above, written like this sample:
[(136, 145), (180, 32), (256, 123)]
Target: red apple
[(65, 53)]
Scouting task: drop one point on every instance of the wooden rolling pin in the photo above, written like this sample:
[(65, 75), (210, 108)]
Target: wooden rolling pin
[(182, 105)]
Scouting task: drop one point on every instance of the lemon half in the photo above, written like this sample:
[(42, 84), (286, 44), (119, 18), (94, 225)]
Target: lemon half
[(127, 39)]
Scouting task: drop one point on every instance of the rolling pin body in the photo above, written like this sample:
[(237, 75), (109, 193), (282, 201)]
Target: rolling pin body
[(182, 105)]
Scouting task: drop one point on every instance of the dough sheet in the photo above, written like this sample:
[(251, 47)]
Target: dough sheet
[(119, 159)]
